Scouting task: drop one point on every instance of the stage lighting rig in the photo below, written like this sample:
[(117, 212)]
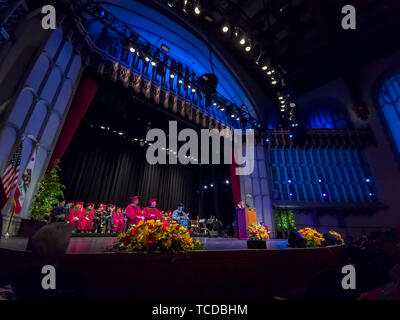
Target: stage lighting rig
[(208, 83)]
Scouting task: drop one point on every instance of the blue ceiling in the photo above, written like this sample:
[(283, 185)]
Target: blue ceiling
[(184, 46)]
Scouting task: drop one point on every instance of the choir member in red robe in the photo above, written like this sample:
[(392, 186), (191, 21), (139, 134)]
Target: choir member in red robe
[(75, 215), (118, 221), (86, 224), (151, 212), (133, 212)]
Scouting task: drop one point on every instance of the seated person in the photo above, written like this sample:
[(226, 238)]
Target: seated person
[(75, 215), (118, 221), (108, 218), (133, 213), (98, 218), (181, 217), (86, 224), (59, 213), (151, 212)]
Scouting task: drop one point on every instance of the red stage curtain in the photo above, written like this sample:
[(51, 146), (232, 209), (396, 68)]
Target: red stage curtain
[(84, 95), (235, 181)]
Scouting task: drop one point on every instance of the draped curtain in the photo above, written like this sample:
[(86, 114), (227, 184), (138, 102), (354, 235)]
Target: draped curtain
[(84, 95)]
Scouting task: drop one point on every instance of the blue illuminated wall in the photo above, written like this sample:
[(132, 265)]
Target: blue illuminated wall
[(321, 175), (325, 114), (389, 102)]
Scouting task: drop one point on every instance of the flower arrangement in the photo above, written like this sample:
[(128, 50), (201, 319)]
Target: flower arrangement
[(337, 236), (258, 231), (313, 237), (151, 236)]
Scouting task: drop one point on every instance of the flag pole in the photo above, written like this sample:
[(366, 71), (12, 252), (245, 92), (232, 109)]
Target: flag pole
[(7, 235)]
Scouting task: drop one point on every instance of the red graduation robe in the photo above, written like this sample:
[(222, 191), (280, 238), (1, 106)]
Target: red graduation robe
[(133, 214), (152, 214)]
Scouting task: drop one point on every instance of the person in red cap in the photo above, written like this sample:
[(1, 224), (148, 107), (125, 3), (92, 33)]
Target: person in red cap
[(75, 215), (118, 221), (133, 212), (151, 212), (86, 223)]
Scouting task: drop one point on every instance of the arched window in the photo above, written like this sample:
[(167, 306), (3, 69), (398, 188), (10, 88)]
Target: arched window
[(389, 102), (326, 114)]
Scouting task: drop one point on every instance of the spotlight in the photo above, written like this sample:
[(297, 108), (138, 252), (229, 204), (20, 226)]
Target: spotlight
[(280, 98), (232, 115), (370, 194), (368, 180), (147, 59), (211, 185), (153, 63), (164, 48), (193, 90), (120, 133), (268, 140), (274, 82), (264, 68), (289, 181), (226, 181), (180, 81), (291, 135), (282, 101), (205, 187), (103, 127), (172, 76), (242, 41), (225, 28), (269, 72), (132, 49), (324, 195), (248, 48), (197, 9)]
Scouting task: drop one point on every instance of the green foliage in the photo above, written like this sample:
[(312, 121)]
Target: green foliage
[(284, 222), (50, 190)]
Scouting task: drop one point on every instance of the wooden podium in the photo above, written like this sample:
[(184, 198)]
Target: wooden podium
[(246, 217)]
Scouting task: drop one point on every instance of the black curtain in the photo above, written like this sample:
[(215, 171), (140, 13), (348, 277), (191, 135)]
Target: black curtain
[(102, 166)]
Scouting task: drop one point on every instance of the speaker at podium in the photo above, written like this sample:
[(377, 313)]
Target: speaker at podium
[(246, 217)]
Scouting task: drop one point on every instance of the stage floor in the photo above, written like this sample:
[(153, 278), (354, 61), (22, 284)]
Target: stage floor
[(99, 244)]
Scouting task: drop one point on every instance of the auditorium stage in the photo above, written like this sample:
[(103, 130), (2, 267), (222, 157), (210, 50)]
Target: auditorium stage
[(100, 244), (225, 270)]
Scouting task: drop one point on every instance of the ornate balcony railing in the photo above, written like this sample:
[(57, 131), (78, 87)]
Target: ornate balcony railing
[(11, 13)]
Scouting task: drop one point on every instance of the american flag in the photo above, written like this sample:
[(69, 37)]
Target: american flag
[(9, 178)]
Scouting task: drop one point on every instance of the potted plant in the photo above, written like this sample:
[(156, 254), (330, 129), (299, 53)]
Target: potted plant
[(333, 238), (258, 233), (49, 191), (312, 237), (156, 236)]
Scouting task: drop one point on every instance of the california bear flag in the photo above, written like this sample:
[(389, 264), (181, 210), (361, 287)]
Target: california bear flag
[(24, 184)]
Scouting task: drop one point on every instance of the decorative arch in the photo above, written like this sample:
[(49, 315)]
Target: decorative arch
[(389, 105)]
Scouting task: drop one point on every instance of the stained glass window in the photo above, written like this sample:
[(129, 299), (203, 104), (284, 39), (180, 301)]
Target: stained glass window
[(389, 101)]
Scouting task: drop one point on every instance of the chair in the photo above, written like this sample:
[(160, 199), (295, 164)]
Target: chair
[(195, 225)]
